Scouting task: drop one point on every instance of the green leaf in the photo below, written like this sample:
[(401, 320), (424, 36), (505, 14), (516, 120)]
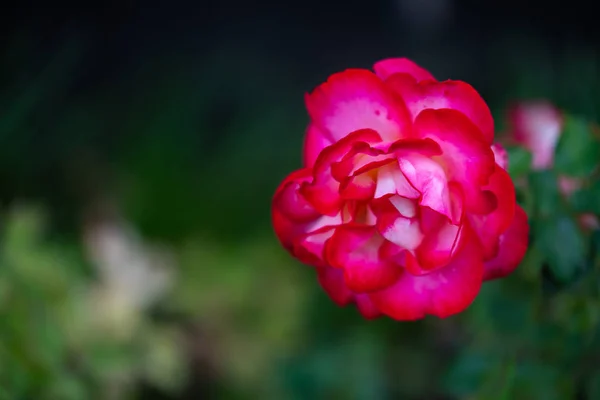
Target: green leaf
[(547, 199), (469, 372), (541, 381), (68, 387), (593, 386), (519, 161), (508, 380), (563, 244), (577, 149), (586, 199)]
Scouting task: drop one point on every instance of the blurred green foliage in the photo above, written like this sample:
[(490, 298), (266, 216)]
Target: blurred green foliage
[(190, 158), (62, 336)]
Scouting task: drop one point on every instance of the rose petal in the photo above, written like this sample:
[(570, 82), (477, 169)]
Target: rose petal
[(300, 229), (305, 241), (456, 95), (367, 171), (309, 248), (366, 307), (425, 147), (391, 180), (332, 281), (356, 249), (314, 142), (290, 202), (360, 187), (512, 247), (396, 222), (323, 192), (467, 158), (287, 207), (390, 66), (443, 292), (361, 157), (489, 227), (430, 179), (441, 241), (500, 155), (357, 99)]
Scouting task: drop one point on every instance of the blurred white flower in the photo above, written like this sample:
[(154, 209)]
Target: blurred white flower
[(134, 271), (132, 275)]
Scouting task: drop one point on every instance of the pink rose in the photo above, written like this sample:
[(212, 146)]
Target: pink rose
[(401, 206), (537, 126)]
